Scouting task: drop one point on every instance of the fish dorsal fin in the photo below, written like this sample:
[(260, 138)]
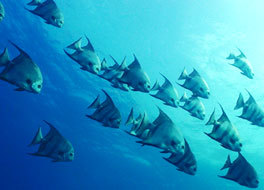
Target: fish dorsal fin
[(184, 75), (156, 86), (167, 83), (240, 102), (194, 73), (52, 132), (187, 147), (116, 65), (4, 58), (130, 119), (184, 97), (228, 163), (251, 99), (38, 138), (163, 117), (104, 65), (223, 117), (89, 45), (212, 119), (123, 65), (242, 55), (76, 45), (135, 64), (95, 104), (22, 52), (108, 100)]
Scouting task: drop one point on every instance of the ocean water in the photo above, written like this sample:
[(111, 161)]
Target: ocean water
[(166, 36)]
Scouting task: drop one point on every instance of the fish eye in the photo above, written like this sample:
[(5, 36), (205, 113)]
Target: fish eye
[(240, 144), (29, 81), (195, 169), (182, 147), (71, 154), (257, 181), (39, 86)]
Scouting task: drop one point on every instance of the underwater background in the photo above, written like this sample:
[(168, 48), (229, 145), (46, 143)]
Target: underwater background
[(166, 36)]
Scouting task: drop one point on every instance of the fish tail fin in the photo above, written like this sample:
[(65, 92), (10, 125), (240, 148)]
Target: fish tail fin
[(103, 64), (212, 119), (227, 163), (95, 104), (4, 58), (231, 56), (37, 139), (184, 97), (183, 75), (156, 86), (76, 45), (130, 119), (240, 102), (34, 3)]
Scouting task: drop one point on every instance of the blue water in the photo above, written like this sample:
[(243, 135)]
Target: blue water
[(166, 36)]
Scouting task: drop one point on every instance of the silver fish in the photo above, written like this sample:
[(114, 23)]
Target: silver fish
[(195, 83), (251, 110), (2, 12), (194, 106), (85, 56), (241, 62), (241, 171), (53, 145), (186, 162), (167, 93), (48, 11), (135, 77), (224, 132), (165, 135), (106, 112), (21, 71)]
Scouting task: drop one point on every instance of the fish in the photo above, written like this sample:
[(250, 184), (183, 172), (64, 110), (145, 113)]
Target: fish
[(251, 110), (165, 135), (85, 56), (49, 11), (195, 83), (113, 74), (194, 106), (224, 132), (241, 62), (141, 126), (167, 93), (21, 71), (106, 112), (53, 145), (241, 171), (2, 12), (135, 77), (185, 163)]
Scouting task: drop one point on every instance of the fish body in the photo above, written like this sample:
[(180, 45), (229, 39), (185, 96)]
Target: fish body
[(241, 171), (195, 83), (53, 146), (49, 11), (21, 72)]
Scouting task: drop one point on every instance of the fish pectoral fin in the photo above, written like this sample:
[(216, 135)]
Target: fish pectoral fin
[(19, 89)]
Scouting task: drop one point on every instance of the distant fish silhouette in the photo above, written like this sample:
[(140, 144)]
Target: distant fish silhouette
[(241, 172), (195, 83), (48, 11), (21, 71), (53, 145), (106, 112)]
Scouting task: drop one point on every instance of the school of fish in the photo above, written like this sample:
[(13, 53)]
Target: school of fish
[(162, 133)]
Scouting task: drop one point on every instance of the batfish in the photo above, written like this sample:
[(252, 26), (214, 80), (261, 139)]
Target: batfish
[(167, 93), (53, 145), (21, 71), (241, 171), (194, 106), (195, 83), (186, 162), (241, 62), (49, 11), (85, 56), (106, 112), (224, 132), (135, 77)]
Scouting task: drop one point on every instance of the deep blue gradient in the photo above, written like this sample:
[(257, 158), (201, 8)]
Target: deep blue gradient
[(166, 36)]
